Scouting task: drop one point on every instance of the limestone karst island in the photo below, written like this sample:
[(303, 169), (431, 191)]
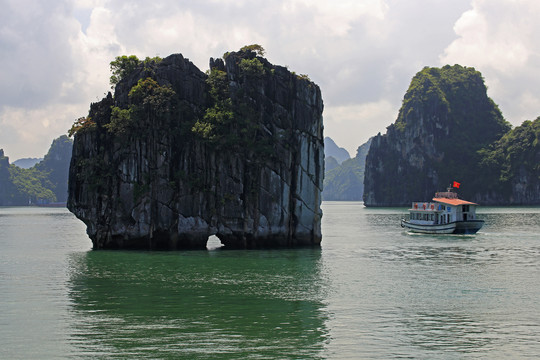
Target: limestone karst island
[(448, 128), (176, 155)]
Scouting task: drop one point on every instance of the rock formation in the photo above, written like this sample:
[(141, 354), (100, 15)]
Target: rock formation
[(345, 181), (44, 183), (56, 165), (331, 149), (445, 119), (5, 181), (177, 155)]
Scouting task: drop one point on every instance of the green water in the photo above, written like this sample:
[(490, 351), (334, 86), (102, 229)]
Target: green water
[(371, 291)]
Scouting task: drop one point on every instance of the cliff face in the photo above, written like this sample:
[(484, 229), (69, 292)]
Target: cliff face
[(445, 119), (178, 155), (56, 165), (5, 182)]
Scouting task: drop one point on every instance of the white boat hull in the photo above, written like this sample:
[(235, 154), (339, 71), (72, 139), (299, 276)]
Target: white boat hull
[(429, 229), (456, 227)]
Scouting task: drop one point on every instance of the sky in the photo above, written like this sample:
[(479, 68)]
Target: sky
[(363, 54)]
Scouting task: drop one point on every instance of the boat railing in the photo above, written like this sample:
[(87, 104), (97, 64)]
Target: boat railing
[(426, 206)]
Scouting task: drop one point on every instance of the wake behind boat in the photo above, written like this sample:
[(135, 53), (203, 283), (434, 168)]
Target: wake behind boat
[(445, 214)]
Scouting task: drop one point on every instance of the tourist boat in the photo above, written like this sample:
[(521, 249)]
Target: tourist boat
[(445, 214)]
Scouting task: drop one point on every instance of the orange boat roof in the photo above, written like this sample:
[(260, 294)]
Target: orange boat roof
[(453, 201)]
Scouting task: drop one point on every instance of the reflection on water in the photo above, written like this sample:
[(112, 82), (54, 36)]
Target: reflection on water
[(404, 295), (445, 331), (219, 303), (373, 291)]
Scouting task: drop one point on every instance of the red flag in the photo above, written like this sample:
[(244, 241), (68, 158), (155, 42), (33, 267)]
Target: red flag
[(456, 184)]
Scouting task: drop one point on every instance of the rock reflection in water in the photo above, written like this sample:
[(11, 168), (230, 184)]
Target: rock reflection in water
[(216, 303)]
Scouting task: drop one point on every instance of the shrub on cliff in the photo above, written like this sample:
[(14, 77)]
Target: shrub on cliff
[(219, 115), (256, 48), (230, 121), (81, 124), (148, 99), (124, 65), (513, 158), (252, 67)]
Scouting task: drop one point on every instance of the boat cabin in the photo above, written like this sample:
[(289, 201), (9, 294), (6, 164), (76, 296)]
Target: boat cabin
[(444, 208)]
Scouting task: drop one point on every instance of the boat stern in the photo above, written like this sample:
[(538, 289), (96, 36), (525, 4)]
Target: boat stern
[(468, 227)]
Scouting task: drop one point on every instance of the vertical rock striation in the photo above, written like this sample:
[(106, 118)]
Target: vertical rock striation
[(178, 155), (5, 181)]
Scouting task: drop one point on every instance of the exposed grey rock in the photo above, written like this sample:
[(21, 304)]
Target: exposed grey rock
[(165, 187)]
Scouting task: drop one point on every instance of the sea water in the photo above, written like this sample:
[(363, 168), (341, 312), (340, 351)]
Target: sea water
[(372, 291)]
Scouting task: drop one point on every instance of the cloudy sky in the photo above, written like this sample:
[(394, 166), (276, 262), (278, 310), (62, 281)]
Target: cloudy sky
[(362, 53)]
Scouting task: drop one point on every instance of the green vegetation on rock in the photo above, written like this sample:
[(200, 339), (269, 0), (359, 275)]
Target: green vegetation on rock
[(252, 67), (513, 159), (31, 186), (219, 115), (258, 49), (123, 66), (45, 182), (230, 121), (82, 124), (148, 100)]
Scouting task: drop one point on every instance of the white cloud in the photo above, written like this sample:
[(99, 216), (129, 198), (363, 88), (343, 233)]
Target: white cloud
[(362, 53), (24, 131), (353, 125), (499, 38), (485, 43), (36, 56), (338, 17)]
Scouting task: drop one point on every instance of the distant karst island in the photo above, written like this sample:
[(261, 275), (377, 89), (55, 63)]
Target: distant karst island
[(449, 129), (37, 181), (176, 155)]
